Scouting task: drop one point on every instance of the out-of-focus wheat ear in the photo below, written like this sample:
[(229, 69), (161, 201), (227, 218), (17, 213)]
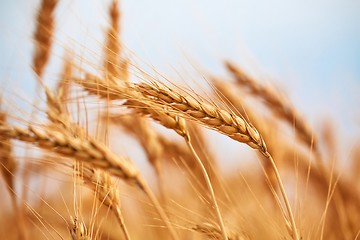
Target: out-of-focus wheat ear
[(63, 85), (43, 35), (112, 44), (206, 113), (148, 138), (78, 230), (8, 164), (64, 143), (106, 190), (278, 105), (236, 103), (178, 153), (214, 232), (89, 151), (124, 69), (57, 113), (174, 149)]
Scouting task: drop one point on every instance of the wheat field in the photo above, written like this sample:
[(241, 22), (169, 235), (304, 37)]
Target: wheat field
[(109, 147)]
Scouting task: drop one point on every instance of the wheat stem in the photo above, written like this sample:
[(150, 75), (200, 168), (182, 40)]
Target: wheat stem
[(211, 190), (121, 223), (294, 234)]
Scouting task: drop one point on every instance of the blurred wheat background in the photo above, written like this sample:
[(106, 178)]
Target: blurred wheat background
[(282, 77)]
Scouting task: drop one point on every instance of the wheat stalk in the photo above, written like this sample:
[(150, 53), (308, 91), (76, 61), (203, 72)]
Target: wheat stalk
[(116, 66)]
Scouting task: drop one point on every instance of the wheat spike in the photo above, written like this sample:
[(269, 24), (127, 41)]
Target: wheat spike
[(112, 45), (78, 231), (63, 143), (43, 35), (277, 104), (214, 232), (208, 114), (106, 190)]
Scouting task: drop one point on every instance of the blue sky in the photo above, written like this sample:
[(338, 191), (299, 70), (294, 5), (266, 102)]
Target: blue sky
[(309, 48)]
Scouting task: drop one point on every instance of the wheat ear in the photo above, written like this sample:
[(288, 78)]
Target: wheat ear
[(63, 143), (200, 111), (213, 232), (43, 35), (148, 138), (78, 231), (116, 66), (277, 104), (168, 101), (166, 118), (222, 121), (106, 191), (89, 151), (112, 45)]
